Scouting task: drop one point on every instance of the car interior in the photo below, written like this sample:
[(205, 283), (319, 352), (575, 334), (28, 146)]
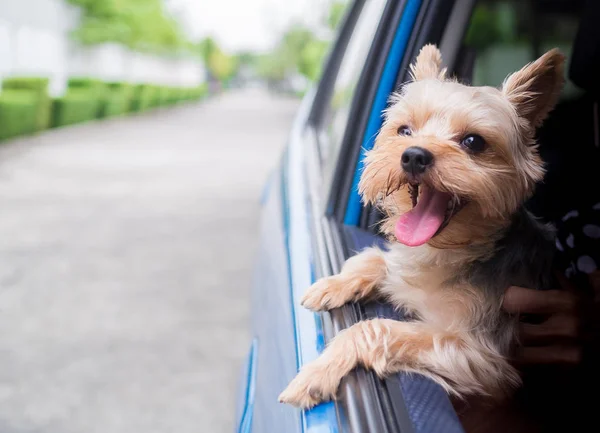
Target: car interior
[(503, 36)]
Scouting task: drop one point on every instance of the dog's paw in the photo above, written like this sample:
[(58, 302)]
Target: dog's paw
[(309, 388), (325, 294)]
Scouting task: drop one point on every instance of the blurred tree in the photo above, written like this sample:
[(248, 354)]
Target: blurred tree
[(484, 29), (246, 58), (336, 13), (220, 66), (206, 47), (311, 58), (271, 67), (302, 50), (138, 24)]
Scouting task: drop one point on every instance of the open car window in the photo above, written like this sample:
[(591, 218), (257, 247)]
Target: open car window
[(505, 35), (337, 111)]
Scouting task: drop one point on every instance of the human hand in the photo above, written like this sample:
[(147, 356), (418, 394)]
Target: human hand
[(557, 339)]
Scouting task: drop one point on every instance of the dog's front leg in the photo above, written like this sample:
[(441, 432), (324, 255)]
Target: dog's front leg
[(458, 363), (360, 276), (383, 345)]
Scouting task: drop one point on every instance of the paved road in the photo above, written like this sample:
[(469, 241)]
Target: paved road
[(125, 255)]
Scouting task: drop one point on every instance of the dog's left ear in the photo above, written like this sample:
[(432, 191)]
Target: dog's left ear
[(534, 90), (428, 64)]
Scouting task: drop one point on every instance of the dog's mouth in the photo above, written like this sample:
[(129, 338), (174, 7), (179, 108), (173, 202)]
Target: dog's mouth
[(431, 213)]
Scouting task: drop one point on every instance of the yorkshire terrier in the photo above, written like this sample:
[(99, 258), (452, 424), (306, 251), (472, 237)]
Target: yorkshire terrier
[(451, 170)]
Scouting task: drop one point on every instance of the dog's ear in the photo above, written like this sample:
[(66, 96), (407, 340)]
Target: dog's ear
[(428, 64), (534, 90)]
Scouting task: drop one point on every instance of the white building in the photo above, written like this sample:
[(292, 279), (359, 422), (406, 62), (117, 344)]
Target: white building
[(34, 41)]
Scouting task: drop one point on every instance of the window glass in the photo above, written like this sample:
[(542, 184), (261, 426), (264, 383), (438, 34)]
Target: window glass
[(336, 115), (504, 35)]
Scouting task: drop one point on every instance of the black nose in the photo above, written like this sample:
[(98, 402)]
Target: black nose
[(415, 160)]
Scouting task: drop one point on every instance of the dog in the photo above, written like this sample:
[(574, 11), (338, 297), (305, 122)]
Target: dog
[(451, 169)]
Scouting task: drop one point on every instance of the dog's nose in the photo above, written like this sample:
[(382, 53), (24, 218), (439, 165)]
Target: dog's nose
[(415, 160)]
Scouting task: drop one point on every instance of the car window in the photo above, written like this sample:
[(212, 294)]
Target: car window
[(504, 35), (338, 109)]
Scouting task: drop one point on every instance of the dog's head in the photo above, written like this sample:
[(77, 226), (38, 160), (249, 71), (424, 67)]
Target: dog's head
[(451, 160)]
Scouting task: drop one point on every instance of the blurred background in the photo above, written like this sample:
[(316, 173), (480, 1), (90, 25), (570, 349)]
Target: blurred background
[(68, 61), (135, 139)]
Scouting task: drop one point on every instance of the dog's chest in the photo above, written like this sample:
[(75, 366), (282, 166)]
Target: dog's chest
[(423, 290)]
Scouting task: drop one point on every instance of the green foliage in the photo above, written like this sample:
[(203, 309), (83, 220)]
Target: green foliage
[(336, 14), (86, 99), (86, 83), (220, 66), (141, 98), (206, 47), (18, 113), (271, 67), (300, 50), (138, 24), (155, 96), (76, 106), (165, 95), (311, 59), (39, 86), (485, 28), (116, 100)]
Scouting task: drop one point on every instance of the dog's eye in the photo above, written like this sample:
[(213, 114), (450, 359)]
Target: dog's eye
[(404, 130), (474, 143)]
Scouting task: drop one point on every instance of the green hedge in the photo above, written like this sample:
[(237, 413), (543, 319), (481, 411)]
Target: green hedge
[(25, 106), (90, 84), (137, 95), (116, 100), (144, 97), (18, 113), (78, 105), (39, 86)]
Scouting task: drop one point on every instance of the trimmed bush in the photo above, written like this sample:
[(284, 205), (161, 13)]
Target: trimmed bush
[(18, 113), (116, 100), (164, 95), (39, 87), (94, 87), (78, 105), (155, 96), (148, 96), (25, 106), (171, 95), (84, 83), (137, 98)]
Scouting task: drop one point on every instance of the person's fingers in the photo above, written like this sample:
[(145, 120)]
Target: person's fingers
[(520, 300), (556, 326), (565, 355)]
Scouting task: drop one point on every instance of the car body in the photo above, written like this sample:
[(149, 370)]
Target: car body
[(313, 219)]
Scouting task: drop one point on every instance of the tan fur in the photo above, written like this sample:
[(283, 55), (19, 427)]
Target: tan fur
[(455, 338), (428, 64), (359, 278), (533, 90)]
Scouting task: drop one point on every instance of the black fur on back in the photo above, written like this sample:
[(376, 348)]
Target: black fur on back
[(523, 257)]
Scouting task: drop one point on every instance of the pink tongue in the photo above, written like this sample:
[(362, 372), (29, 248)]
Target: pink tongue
[(420, 224)]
